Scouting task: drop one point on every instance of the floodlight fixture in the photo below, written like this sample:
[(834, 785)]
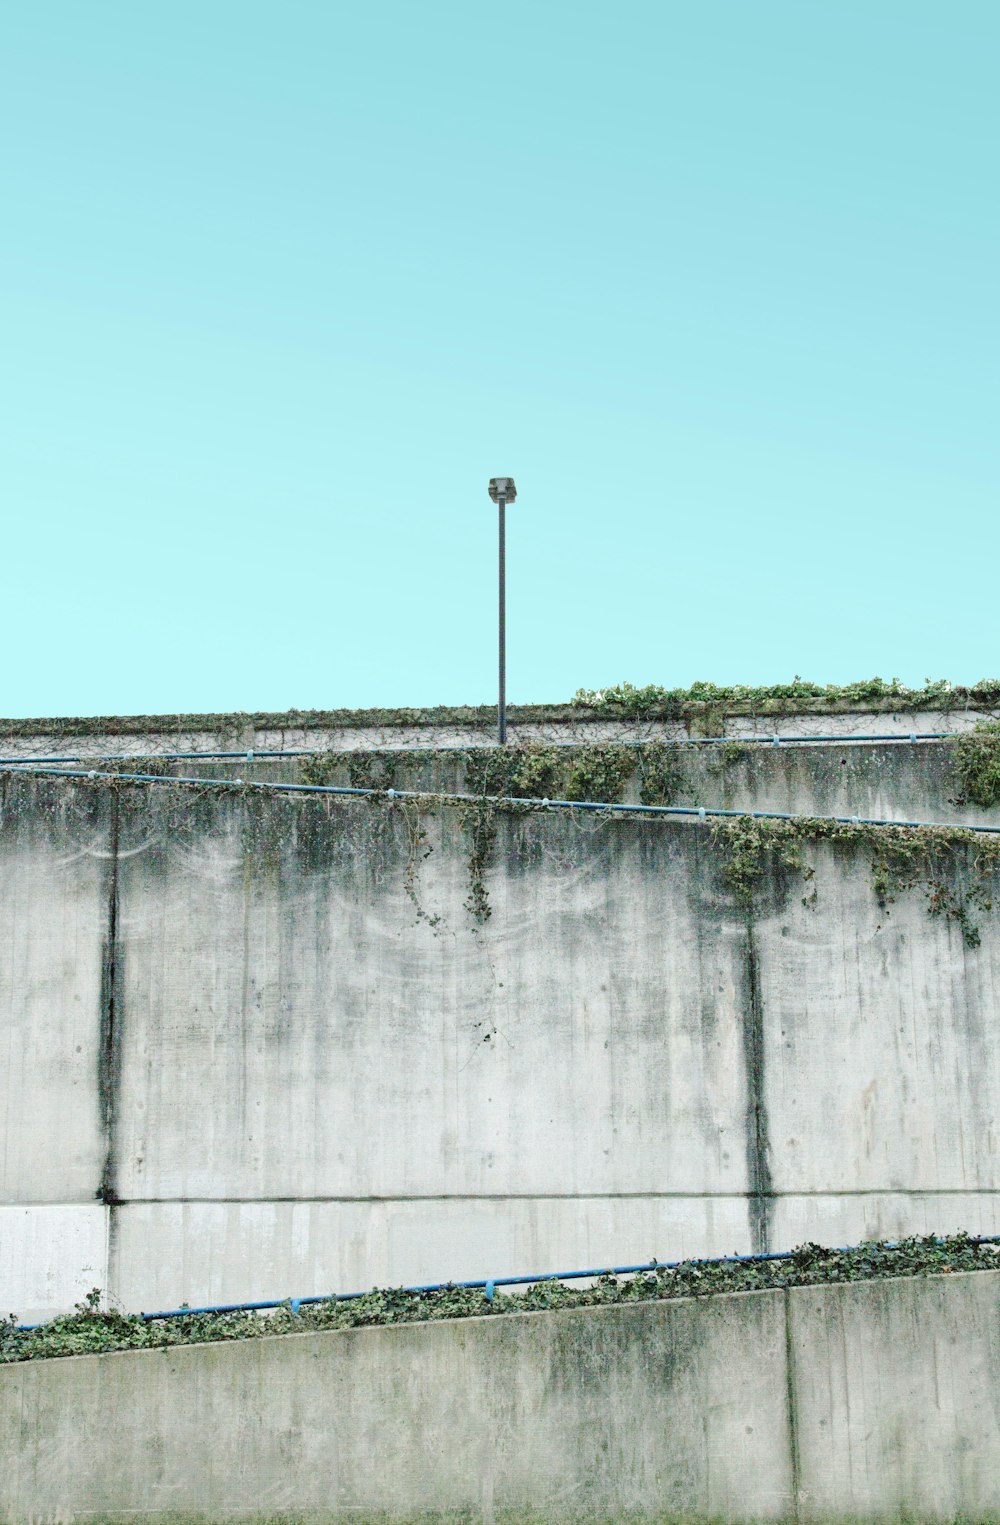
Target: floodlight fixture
[(502, 487), (502, 491)]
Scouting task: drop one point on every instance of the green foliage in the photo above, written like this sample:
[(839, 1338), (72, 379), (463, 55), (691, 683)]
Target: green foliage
[(480, 822), (623, 700), (489, 771), (628, 702), (238, 726), (419, 850), (752, 848), (662, 775), (537, 772), (89, 1330), (952, 865), (977, 762), (600, 773), (726, 755), (361, 770), (903, 858), (493, 770), (372, 770)]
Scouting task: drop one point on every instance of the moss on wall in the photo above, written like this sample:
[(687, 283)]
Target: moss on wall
[(977, 764), (626, 701), (952, 866)]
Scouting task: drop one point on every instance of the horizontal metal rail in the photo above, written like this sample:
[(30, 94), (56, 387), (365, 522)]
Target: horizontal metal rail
[(252, 755), (488, 1284), (247, 756), (698, 812)]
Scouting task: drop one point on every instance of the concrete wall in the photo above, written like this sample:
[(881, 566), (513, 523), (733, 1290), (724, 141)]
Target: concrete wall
[(872, 1401), (892, 779), (258, 1047), (886, 780), (472, 726)]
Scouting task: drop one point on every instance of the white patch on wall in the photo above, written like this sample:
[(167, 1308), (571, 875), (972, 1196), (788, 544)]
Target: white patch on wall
[(50, 1258)]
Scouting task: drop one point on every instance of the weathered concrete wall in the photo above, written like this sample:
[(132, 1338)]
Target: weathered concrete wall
[(885, 780), (462, 726), (259, 1047), (891, 780), (896, 1398), (872, 1401)]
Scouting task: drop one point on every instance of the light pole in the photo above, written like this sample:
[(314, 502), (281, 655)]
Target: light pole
[(502, 491)]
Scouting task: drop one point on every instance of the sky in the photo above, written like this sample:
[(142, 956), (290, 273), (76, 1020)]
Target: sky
[(282, 285)]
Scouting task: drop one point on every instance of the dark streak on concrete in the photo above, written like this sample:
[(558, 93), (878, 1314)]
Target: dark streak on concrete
[(757, 1145), (791, 1401), (109, 1053)]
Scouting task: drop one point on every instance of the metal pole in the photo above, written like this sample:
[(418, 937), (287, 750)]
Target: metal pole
[(502, 698)]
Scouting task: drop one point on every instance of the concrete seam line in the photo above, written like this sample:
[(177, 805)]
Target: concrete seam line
[(791, 1400)]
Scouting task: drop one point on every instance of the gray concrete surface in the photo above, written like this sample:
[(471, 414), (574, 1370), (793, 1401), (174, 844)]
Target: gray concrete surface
[(450, 727), (897, 1398), (260, 1048), (568, 1415), (865, 1402), (891, 779)]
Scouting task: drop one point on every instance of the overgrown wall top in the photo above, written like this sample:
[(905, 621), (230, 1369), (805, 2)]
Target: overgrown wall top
[(651, 713)]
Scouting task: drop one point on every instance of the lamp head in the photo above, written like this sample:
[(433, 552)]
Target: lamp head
[(502, 487)]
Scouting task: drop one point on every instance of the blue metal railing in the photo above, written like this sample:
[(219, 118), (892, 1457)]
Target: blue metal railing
[(275, 756), (700, 812), (244, 755), (489, 1284)]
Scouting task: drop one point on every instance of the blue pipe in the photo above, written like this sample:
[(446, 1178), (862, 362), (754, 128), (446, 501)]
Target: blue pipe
[(702, 812), (248, 756), (489, 1283), (776, 740), (690, 741)]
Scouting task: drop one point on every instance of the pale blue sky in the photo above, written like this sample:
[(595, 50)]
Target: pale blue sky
[(283, 284)]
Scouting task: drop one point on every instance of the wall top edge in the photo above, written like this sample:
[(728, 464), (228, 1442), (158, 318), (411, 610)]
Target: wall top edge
[(471, 1321), (829, 1291), (476, 718)]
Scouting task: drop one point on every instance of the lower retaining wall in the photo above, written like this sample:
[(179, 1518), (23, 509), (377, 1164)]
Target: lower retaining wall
[(870, 1400)]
